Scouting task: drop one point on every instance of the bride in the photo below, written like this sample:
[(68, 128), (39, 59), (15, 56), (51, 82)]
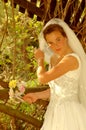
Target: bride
[(60, 47)]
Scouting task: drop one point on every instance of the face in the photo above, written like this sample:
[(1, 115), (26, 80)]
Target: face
[(57, 42)]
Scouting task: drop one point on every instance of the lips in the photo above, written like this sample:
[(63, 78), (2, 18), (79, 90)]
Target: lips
[(58, 49)]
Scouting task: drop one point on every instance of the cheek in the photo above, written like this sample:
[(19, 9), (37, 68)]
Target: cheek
[(60, 44), (63, 42), (53, 48)]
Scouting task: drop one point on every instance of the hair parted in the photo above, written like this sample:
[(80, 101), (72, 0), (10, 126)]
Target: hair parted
[(53, 27)]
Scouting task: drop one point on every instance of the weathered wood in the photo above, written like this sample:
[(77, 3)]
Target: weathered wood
[(30, 13), (5, 1), (36, 89), (31, 7), (63, 9), (4, 94), (3, 84), (22, 10), (19, 115)]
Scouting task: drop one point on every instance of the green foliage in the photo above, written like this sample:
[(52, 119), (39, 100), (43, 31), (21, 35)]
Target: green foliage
[(18, 38), (4, 121)]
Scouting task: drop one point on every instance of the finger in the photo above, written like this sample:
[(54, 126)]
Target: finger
[(35, 49), (28, 100)]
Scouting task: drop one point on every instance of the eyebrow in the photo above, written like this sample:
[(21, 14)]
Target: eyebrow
[(49, 42)]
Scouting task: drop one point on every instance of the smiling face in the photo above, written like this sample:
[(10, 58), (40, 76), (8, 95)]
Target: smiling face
[(56, 39)]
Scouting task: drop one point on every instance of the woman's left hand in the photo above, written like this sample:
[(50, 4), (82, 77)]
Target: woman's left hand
[(38, 54)]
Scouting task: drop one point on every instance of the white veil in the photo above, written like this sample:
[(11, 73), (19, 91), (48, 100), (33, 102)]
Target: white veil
[(76, 47)]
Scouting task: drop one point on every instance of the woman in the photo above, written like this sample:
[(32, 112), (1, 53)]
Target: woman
[(66, 77)]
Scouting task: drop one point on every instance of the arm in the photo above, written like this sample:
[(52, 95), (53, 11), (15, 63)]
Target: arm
[(39, 55), (68, 63), (33, 97)]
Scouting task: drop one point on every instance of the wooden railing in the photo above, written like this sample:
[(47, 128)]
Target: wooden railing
[(5, 108)]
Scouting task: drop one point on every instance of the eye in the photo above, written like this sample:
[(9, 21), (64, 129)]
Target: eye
[(50, 43), (58, 39)]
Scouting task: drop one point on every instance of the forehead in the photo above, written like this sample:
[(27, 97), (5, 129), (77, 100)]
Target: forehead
[(54, 34)]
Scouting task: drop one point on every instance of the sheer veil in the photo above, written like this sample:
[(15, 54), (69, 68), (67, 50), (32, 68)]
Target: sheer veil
[(76, 47)]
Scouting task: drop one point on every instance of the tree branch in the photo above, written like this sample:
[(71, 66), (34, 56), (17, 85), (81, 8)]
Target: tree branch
[(21, 116)]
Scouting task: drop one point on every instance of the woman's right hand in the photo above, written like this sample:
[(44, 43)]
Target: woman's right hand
[(33, 97), (30, 97)]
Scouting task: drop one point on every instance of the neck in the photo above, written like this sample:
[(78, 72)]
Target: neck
[(67, 51)]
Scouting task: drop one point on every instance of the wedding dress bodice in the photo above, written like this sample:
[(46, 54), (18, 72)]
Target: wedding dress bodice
[(65, 88), (65, 111)]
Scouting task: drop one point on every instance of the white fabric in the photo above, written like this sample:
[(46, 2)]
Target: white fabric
[(76, 47), (64, 111)]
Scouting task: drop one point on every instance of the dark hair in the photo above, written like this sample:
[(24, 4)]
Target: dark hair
[(53, 27)]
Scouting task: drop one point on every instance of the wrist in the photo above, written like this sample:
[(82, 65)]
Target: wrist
[(40, 61), (43, 94)]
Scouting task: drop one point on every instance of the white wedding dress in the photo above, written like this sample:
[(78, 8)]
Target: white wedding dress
[(64, 111)]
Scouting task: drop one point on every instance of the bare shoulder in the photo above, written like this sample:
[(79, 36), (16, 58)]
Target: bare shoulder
[(66, 64), (54, 60), (70, 61)]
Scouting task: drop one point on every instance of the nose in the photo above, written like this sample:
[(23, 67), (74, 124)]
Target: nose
[(54, 44)]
